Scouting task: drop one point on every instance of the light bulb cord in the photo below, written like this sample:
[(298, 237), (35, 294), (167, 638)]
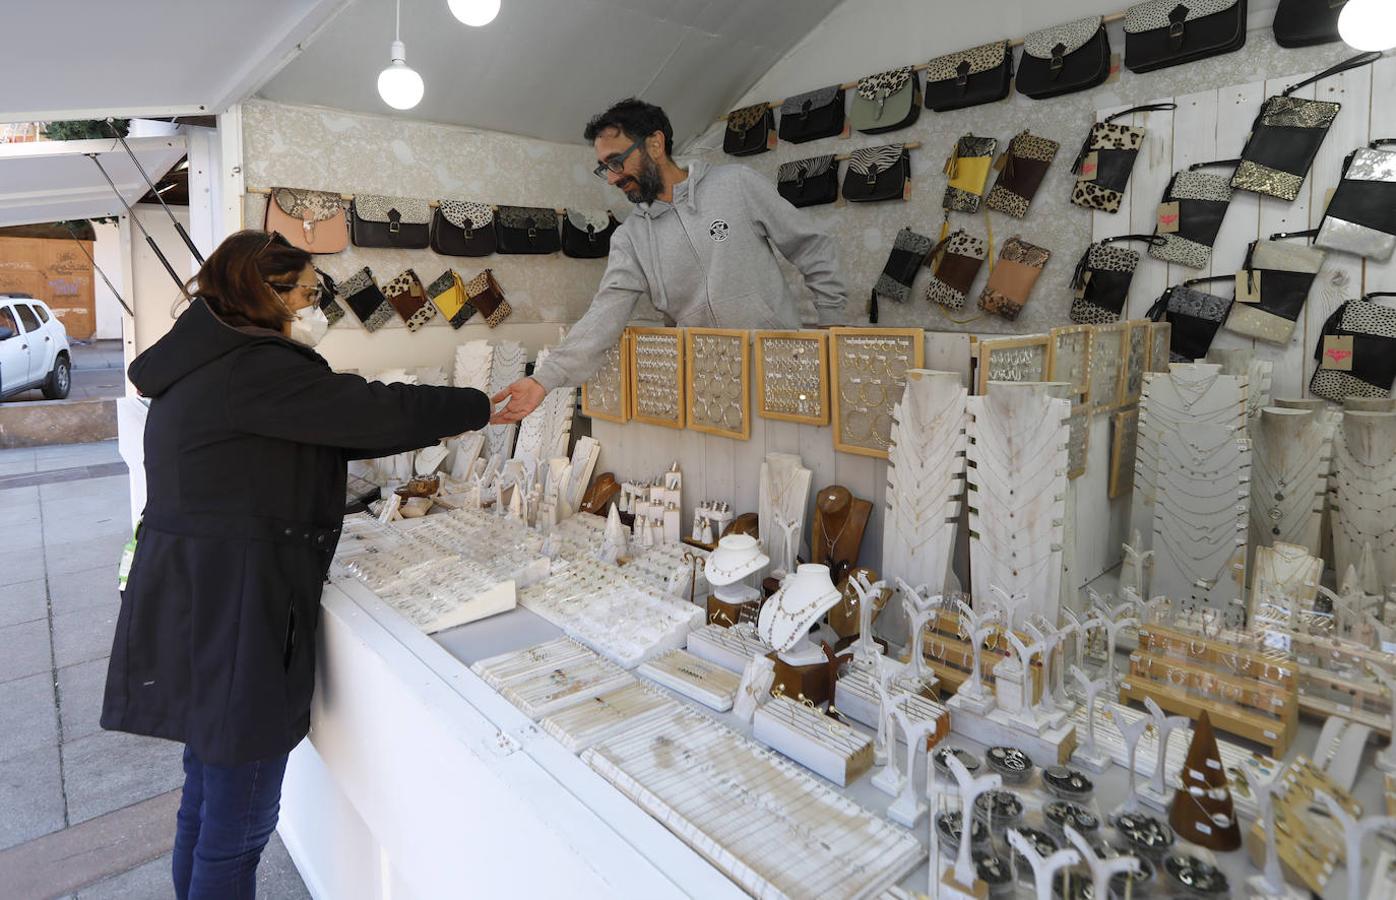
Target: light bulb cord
[(397, 22)]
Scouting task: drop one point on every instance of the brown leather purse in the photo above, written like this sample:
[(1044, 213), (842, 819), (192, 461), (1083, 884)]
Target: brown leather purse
[(485, 294), (314, 221)]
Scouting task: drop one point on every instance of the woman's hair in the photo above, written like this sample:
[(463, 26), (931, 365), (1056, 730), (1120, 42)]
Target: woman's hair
[(234, 280)]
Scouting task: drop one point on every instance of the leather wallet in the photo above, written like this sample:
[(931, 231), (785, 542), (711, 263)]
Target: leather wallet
[(1201, 200), (1281, 274), (1361, 217), (967, 173), (1106, 160), (1102, 278), (364, 298), (409, 298), (447, 294), (1369, 366), (957, 262), (1024, 166), (1011, 282), (1195, 316), (329, 305), (484, 293)]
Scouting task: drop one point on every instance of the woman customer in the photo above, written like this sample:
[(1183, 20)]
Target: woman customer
[(246, 446)]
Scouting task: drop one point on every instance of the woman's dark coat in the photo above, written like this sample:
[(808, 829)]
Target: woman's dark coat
[(246, 447)]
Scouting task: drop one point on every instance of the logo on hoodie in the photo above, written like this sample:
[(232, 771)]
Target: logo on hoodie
[(718, 230)]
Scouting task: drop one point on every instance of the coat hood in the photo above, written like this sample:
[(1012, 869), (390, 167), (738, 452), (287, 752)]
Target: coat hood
[(198, 338), (683, 193)]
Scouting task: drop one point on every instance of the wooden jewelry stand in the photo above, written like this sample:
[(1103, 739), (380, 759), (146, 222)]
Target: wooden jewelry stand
[(656, 391), (1258, 373), (700, 397), (607, 394), (1291, 451), (1364, 492), (925, 481), (839, 522), (787, 385), (1309, 846), (1013, 359)]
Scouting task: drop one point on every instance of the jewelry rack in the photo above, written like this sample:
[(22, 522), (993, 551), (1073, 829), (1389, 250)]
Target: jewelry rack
[(1291, 454), (869, 367), (1069, 359), (1309, 845), (697, 679), (657, 376), (1364, 493), (805, 734), (1107, 360), (1136, 362), (718, 388), (585, 724), (507, 364), (1160, 334), (950, 654), (1014, 359), (607, 394), (792, 376), (1124, 438)]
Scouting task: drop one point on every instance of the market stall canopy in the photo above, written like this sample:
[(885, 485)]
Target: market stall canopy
[(52, 181), (543, 67)]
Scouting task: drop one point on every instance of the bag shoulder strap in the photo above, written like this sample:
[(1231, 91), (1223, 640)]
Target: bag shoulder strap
[(1148, 107), (1216, 162), (1361, 59)]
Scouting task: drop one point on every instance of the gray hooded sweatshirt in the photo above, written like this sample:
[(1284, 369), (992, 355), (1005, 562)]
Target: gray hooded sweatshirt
[(703, 260)]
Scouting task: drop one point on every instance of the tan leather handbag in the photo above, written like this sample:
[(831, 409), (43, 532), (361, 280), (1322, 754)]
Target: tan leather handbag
[(311, 220)]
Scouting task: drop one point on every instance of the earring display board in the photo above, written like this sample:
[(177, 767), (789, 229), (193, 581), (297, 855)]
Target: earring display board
[(657, 376), (869, 372), (1013, 359), (1107, 360), (792, 376), (925, 481), (1137, 337), (1201, 512), (1364, 493), (607, 394), (1291, 450), (1069, 359), (1016, 474), (1160, 334), (719, 382), (1124, 437)]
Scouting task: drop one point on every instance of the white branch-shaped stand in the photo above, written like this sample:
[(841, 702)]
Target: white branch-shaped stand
[(1164, 724), (910, 804), (920, 604), (970, 789), (1271, 883), (1090, 757), (1103, 868), (978, 626), (1013, 606), (1354, 830), (1044, 869), (1138, 565), (790, 531), (1081, 627), (865, 650), (755, 687), (1034, 714), (1053, 664), (889, 780), (1132, 731), (1386, 759), (1113, 627)]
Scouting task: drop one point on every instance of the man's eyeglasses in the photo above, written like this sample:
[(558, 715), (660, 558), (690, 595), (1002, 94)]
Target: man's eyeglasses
[(616, 162)]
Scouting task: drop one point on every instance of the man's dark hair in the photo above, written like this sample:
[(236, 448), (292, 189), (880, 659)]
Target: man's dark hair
[(636, 119)]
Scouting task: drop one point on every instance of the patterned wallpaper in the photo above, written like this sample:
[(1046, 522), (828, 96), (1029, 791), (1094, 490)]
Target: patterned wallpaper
[(865, 231)]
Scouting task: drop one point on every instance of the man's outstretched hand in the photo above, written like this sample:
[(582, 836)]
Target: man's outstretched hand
[(523, 395)]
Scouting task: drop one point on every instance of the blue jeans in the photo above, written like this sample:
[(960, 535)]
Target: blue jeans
[(226, 815)]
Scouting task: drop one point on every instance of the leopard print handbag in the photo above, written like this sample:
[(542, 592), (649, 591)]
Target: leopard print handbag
[(1024, 167), (749, 130), (970, 77), (1106, 160), (409, 298), (1100, 284), (1063, 59)]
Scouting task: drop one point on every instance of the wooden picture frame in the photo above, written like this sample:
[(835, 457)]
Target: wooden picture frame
[(911, 339), (1069, 359), (1124, 440), (1107, 361), (820, 343), (639, 339), (1160, 339), (1038, 347), (1138, 336), (692, 338), (621, 368)]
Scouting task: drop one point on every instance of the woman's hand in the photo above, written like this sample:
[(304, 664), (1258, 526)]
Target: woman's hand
[(523, 397)]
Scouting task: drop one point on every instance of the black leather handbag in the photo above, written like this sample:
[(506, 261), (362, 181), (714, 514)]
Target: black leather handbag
[(1194, 204), (1285, 137), (1361, 217), (749, 130), (1195, 316), (812, 115), (1304, 23), (1277, 279), (1100, 284), (1356, 352), (877, 173), (1063, 59), (526, 229), (461, 228), (971, 77), (587, 234), (1163, 33), (400, 222), (809, 182), (1106, 160)]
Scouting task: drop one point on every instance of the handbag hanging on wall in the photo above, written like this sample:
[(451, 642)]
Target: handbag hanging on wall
[(909, 251), (886, 101), (812, 115), (1023, 168), (1194, 204), (1276, 279), (1356, 352), (331, 307), (1064, 59), (462, 228), (750, 130), (809, 182), (526, 229), (877, 173), (364, 298), (447, 294), (1361, 216), (970, 77), (1195, 316), (1012, 279), (485, 294), (311, 220), (1100, 284), (967, 173), (586, 234), (1163, 33), (397, 222), (1285, 137), (1106, 160), (1304, 23), (409, 298), (957, 262)]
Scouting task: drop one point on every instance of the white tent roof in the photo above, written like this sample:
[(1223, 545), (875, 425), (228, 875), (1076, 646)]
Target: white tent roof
[(51, 181)]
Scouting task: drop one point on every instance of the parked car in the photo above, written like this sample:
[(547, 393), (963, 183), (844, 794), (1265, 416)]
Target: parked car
[(33, 349)]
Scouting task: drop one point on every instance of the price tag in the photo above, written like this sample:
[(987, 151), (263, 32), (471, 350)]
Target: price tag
[(1277, 640), (1089, 166), (1001, 161), (1114, 69), (1168, 217), (1247, 286), (1085, 280), (1337, 352), (771, 139)]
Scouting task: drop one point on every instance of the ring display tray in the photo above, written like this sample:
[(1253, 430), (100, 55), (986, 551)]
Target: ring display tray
[(815, 741), (1310, 846), (506, 667), (1070, 360), (541, 692), (1108, 353), (771, 828), (792, 376), (1014, 359), (869, 367), (607, 394), (657, 376), (718, 388), (580, 726), (856, 697), (732, 648), (680, 671)]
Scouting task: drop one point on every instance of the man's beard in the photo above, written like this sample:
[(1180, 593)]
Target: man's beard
[(646, 186)]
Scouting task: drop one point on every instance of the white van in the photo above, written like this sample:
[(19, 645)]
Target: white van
[(33, 349)]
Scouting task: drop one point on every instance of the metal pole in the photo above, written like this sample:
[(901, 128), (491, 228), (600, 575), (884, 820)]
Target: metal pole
[(148, 239), (77, 240), (188, 241)]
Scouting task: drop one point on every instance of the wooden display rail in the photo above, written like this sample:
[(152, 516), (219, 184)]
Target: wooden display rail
[(1268, 731), (1264, 698), (955, 661), (1159, 640), (1310, 846)]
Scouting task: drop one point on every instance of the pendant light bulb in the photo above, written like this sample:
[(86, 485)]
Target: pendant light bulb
[(477, 13), (399, 85), (1368, 24)]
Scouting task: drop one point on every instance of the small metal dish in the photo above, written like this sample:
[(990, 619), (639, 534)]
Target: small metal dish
[(1011, 763)]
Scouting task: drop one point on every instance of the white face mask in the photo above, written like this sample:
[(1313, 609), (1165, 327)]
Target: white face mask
[(309, 326)]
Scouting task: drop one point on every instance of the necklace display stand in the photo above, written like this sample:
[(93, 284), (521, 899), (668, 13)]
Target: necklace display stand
[(1113, 626), (866, 650), (890, 779), (1017, 484), (736, 559), (507, 363), (1243, 362), (1291, 454), (784, 623), (1103, 868), (1154, 793), (910, 804), (1285, 573), (1364, 493), (1044, 868), (962, 881), (544, 433), (1200, 518), (971, 694), (1053, 663), (784, 494), (925, 478), (1189, 395), (1090, 756), (920, 607), (839, 522), (1355, 830), (1081, 627)]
